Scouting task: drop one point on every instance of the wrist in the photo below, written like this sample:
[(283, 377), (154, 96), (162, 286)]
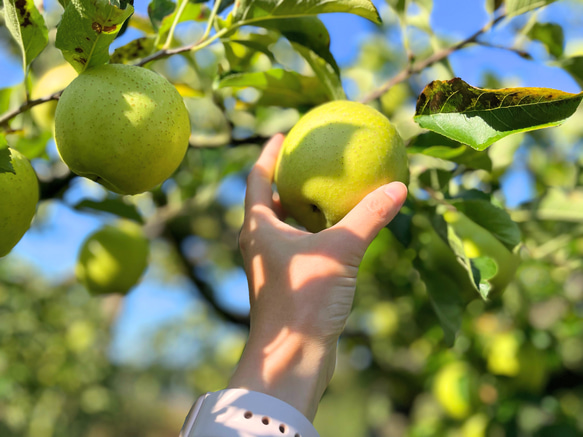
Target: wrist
[(291, 367)]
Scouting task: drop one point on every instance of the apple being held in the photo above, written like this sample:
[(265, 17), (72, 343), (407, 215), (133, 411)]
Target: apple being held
[(113, 259), (333, 157), (123, 126), (19, 195)]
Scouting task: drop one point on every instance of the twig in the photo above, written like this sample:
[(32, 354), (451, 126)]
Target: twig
[(211, 20), (522, 53), (4, 119), (194, 47), (422, 65), (205, 289)]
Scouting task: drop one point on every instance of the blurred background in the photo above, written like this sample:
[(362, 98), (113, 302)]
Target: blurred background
[(75, 365)]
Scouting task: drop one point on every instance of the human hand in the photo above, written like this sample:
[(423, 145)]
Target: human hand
[(301, 287)]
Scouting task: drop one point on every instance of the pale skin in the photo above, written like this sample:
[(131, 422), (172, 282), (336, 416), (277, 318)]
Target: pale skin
[(301, 287)]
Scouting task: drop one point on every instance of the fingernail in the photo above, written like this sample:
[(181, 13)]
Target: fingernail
[(397, 191)]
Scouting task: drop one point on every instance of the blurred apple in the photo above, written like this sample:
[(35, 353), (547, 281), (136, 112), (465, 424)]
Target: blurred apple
[(113, 259), (19, 194), (456, 389), (55, 79)]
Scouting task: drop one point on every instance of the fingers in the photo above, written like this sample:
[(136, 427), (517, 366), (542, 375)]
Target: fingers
[(374, 212), (259, 182)]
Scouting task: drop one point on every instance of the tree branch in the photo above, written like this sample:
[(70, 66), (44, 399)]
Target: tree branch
[(428, 62), (205, 289), (4, 119)]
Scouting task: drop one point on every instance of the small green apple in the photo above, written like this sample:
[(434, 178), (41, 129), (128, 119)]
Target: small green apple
[(113, 259), (123, 126), (52, 81), (478, 241), (18, 198), (333, 157), (456, 389)]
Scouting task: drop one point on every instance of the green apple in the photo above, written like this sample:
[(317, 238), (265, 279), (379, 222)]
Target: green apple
[(18, 198), (478, 241), (113, 259), (456, 389), (123, 126), (334, 156), (55, 79)]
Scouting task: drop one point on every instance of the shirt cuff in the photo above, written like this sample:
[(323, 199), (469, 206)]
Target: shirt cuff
[(243, 413)]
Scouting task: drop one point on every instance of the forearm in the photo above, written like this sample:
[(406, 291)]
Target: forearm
[(291, 367)]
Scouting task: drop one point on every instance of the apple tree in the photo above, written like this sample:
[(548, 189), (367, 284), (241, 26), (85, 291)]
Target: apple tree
[(468, 315)]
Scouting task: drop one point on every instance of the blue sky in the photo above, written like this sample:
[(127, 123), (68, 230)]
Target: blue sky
[(52, 245)]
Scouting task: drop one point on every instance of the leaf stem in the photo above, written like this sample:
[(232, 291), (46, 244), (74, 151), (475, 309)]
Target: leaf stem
[(4, 119), (170, 37), (211, 20)]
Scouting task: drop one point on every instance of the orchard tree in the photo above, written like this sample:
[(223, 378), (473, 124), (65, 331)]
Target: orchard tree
[(467, 318)]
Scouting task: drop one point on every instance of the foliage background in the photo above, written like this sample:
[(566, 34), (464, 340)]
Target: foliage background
[(79, 366)]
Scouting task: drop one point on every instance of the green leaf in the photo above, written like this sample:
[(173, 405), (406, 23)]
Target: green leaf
[(249, 10), (310, 38), (241, 49), (135, 49), (550, 35), (87, 29), (445, 298), (560, 205), (308, 32), (280, 87), (328, 76), (5, 94), (5, 157), (158, 10), (479, 117), (27, 27), (496, 220), (188, 12), (399, 6), (574, 66), (517, 7), (438, 146), (112, 205)]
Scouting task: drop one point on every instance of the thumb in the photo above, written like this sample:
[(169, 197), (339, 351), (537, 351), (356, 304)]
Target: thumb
[(375, 211)]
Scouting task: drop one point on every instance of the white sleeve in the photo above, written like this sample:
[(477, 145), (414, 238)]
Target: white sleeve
[(244, 413)]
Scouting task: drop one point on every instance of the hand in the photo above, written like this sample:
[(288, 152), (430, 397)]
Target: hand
[(301, 287)]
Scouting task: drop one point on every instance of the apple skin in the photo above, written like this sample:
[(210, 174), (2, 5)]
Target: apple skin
[(123, 126), (19, 194), (333, 157), (113, 259), (50, 82)]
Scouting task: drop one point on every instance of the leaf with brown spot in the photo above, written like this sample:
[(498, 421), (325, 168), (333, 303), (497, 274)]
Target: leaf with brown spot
[(479, 117), (135, 49), (27, 27), (88, 28)]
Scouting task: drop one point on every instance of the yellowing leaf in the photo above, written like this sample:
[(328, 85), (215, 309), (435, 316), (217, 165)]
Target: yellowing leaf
[(479, 117)]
